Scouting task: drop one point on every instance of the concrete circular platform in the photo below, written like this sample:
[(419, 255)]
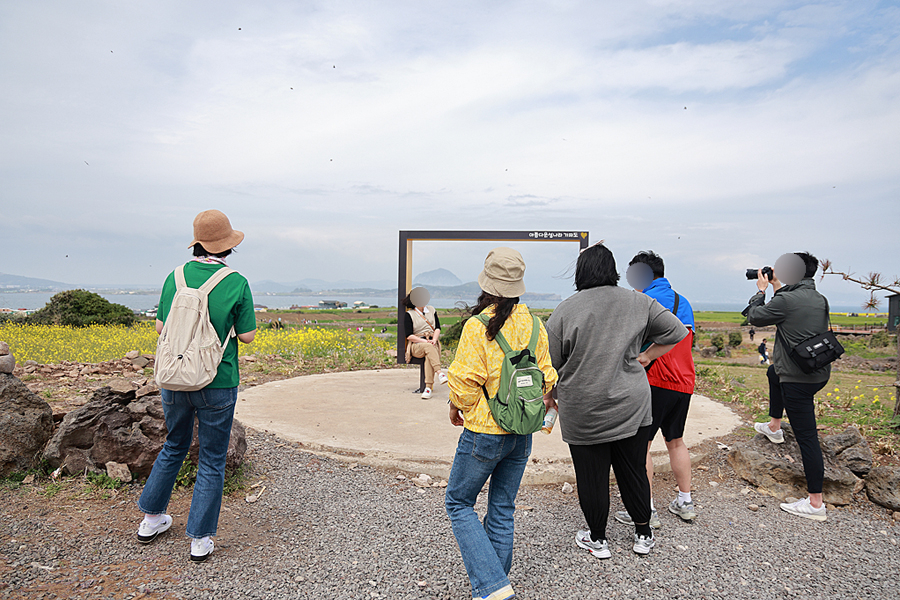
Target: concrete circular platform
[(373, 417)]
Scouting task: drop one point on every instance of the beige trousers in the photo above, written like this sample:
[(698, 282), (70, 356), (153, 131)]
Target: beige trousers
[(432, 355)]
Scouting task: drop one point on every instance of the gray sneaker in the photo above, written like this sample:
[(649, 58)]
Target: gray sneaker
[(622, 516), (642, 543), (685, 511), (600, 548), (776, 437)]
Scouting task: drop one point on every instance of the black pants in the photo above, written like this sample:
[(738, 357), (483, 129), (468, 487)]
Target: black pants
[(628, 458), (797, 400)]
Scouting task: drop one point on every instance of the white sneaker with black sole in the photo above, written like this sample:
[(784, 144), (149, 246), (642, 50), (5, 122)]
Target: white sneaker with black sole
[(201, 549), (600, 548), (147, 532)]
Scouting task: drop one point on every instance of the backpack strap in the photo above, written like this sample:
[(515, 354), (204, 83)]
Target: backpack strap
[(215, 278), (535, 334), (677, 300), (179, 278)]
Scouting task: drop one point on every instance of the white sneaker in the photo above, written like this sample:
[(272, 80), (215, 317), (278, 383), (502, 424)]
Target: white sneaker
[(442, 378), (776, 437), (201, 549), (600, 548), (802, 508), (147, 533), (426, 394), (643, 544)]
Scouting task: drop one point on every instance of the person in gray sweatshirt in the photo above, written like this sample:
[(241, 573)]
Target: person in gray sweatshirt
[(605, 411), (799, 312)]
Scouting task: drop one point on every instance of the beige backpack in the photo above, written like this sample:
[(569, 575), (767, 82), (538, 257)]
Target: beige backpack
[(188, 352)]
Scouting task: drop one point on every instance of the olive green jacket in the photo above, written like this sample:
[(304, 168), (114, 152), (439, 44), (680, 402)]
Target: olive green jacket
[(799, 312)]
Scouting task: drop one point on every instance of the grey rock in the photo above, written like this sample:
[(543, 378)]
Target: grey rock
[(122, 387), (31, 363), (883, 487), (118, 471), (132, 355), (858, 458), (26, 423), (837, 443), (146, 390), (765, 465), (116, 427), (4, 348), (7, 363), (140, 361)]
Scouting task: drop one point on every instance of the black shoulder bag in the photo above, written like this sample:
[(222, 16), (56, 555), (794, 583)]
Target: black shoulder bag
[(816, 352)]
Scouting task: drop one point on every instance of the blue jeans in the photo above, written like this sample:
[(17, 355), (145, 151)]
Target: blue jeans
[(214, 409), (486, 548)]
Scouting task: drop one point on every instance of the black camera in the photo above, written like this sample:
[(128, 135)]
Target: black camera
[(753, 273)]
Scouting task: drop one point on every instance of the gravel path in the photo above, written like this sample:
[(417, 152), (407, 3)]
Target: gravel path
[(324, 530)]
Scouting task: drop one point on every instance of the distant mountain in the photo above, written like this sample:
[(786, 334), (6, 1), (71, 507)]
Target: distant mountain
[(437, 277), (17, 282), (304, 286)]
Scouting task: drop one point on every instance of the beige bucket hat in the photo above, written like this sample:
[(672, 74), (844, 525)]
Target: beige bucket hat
[(503, 272), (213, 229)]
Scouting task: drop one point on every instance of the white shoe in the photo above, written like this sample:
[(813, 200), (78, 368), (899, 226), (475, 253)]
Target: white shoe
[(147, 533), (802, 508), (201, 549), (426, 394), (600, 548), (442, 378), (776, 437)]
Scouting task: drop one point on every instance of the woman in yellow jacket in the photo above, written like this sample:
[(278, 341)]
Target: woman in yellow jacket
[(485, 450)]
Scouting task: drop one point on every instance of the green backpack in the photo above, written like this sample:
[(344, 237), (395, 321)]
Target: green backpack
[(518, 406)]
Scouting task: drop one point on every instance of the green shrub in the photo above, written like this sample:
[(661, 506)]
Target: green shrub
[(450, 335), (882, 339), (187, 474), (78, 308), (735, 338), (103, 481), (717, 340)]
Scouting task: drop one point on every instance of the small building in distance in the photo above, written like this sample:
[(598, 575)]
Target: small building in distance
[(332, 304)]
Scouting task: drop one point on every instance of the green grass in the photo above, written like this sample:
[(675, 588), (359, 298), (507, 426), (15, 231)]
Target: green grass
[(863, 400), (840, 319)]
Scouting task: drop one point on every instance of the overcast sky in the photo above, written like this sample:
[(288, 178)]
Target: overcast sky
[(720, 134)]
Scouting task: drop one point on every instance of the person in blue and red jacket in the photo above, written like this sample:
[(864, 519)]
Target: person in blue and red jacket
[(671, 379)]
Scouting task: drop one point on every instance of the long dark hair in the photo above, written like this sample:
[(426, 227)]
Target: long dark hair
[(504, 308)]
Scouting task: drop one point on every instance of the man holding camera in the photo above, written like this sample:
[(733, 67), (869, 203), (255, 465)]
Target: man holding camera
[(799, 312)]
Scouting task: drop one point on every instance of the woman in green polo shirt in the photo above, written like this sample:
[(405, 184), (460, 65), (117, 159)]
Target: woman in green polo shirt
[(230, 305)]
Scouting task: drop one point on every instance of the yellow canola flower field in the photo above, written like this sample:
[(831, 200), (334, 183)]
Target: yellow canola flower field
[(51, 344), (315, 342)]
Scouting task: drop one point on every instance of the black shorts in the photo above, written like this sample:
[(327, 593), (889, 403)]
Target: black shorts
[(670, 409)]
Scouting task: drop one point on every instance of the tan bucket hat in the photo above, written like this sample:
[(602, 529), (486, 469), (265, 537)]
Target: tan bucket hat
[(213, 229), (503, 271)]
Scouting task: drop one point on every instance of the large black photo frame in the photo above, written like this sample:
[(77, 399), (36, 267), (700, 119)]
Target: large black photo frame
[(404, 273)]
